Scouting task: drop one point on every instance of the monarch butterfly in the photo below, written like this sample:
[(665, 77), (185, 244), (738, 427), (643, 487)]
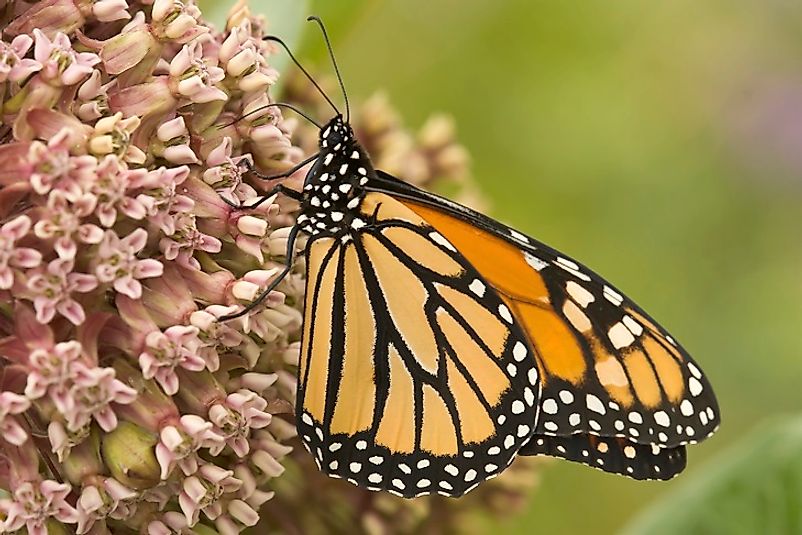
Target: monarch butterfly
[(438, 344)]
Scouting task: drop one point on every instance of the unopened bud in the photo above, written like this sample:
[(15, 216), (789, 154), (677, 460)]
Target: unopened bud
[(84, 460), (253, 226), (243, 512), (129, 455), (244, 290)]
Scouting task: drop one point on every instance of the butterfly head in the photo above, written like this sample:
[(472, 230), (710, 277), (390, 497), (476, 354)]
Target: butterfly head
[(336, 133)]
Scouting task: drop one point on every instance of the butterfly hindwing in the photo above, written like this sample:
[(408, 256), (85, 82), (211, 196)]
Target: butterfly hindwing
[(607, 369), (611, 454), (414, 377)]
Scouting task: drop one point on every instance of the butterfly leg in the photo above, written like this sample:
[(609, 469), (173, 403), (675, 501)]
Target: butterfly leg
[(280, 188), (293, 235), (288, 172)]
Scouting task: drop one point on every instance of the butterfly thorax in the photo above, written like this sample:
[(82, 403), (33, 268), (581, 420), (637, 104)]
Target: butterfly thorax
[(335, 185)]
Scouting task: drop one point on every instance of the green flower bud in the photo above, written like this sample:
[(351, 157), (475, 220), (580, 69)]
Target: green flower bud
[(129, 455), (84, 460)]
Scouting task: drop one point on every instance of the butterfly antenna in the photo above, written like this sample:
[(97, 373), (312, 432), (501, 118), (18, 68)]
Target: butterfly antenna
[(306, 73), (319, 22), (273, 105)]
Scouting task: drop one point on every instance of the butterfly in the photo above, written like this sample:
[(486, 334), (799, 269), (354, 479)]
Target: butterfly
[(438, 344)]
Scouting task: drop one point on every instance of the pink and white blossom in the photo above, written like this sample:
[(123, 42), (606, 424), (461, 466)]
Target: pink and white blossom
[(13, 257), (178, 444), (203, 492), (160, 196), (117, 262), (12, 404), (52, 289), (100, 501), (91, 394), (112, 187), (177, 21), (14, 66), (112, 135), (52, 166), (50, 370), (63, 222), (242, 411), (185, 240), (125, 238), (193, 75), (176, 347), (110, 10), (60, 62), (215, 336), (225, 172), (173, 142), (243, 58), (34, 503)]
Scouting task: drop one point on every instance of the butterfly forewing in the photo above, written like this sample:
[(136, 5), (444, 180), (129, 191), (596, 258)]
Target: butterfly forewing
[(607, 369), (415, 376)]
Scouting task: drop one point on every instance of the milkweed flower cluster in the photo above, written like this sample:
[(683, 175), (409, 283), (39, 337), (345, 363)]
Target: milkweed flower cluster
[(128, 131), (126, 406)]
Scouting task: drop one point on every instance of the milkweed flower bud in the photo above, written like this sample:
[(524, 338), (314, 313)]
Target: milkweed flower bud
[(129, 455)]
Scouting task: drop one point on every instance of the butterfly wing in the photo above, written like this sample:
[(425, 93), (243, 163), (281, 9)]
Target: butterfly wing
[(414, 375), (607, 369), (617, 455)]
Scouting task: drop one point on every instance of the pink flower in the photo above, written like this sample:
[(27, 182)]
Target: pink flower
[(62, 221), (242, 411), (224, 173), (112, 135), (173, 140), (194, 76), (160, 197), (215, 335), (62, 440), (165, 351), (118, 264), (186, 239), (61, 65), (12, 256), (110, 10), (170, 522), (177, 21), (268, 142), (204, 490), (242, 56), (110, 186), (178, 444), (50, 370), (12, 65), (99, 502), (92, 393), (11, 404), (93, 99), (34, 503), (51, 166), (52, 289)]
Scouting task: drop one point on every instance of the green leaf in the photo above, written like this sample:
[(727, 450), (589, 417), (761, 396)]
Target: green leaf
[(756, 487)]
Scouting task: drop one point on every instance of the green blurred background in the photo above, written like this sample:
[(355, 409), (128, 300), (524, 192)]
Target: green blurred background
[(659, 143)]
